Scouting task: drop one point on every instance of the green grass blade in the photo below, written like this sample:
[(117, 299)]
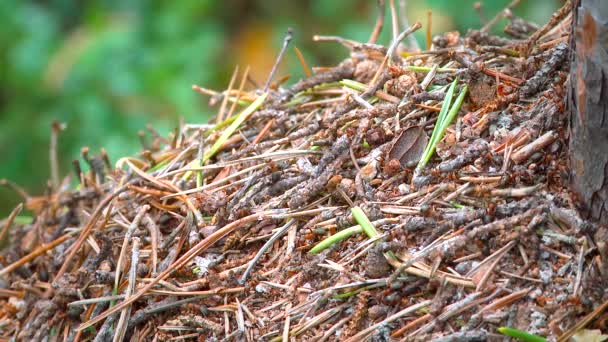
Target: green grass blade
[(193, 164), (445, 106), (240, 118), (21, 220), (358, 86), (451, 114), (428, 69), (521, 335), (364, 222), (235, 122), (339, 236), (349, 294), (430, 147), (158, 166)]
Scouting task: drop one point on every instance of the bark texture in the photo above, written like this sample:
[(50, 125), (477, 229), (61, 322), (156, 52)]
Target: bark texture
[(588, 103)]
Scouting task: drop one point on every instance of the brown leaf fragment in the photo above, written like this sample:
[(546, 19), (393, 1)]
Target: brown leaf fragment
[(409, 146)]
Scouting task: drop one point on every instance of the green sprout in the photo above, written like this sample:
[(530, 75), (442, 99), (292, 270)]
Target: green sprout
[(446, 116), (428, 69), (364, 225), (339, 236), (364, 222), (521, 335), (235, 122)]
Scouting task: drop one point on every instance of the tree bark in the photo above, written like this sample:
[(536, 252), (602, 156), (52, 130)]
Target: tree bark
[(588, 103)]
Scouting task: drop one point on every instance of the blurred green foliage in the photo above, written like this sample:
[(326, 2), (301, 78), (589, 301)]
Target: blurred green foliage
[(107, 68)]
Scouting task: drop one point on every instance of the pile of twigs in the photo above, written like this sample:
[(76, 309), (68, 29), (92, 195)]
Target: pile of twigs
[(400, 195)]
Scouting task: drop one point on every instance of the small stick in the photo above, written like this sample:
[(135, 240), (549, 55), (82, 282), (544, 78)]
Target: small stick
[(16, 188), (240, 318), (154, 236), (9, 221), (500, 75), (88, 228), (417, 194), (130, 230), (286, 41), (410, 325), (333, 329), (264, 248), (509, 274), (429, 22), (413, 43), (226, 319), (57, 127), (579, 271), (240, 93), (481, 179), (121, 327), (498, 16), (486, 276), (498, 254), (457, 192), (358, 99), (394, 20), (305, 66), (413, 308), (537, 145), (479, 8), (393, 47), (429, 77), (96, 300), (264, 131), (11, 293), (379, 23), (287, 321), (516, 192), (583, 322), (34, 254), (179, 263), (220, 115), (555, 19), (506, 300)]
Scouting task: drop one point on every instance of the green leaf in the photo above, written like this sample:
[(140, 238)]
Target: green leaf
[(521, 335), (339, 236), (364, 222)]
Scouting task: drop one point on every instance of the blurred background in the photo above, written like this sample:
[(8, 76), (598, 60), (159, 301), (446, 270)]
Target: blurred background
[(108, 68)]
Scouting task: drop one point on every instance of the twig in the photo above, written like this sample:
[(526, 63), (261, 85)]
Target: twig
[(34, 254), (410, 309), (57, 127), (121, 326), (379, 22), (583, 322), (537, 145), (134, 225), (9, 221), (264, 248), (286, 41)]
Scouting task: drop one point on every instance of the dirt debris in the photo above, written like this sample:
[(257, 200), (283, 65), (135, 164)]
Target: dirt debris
[(483, 235)]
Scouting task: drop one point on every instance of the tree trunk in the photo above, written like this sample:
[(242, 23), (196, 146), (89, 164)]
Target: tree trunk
[(588, 102)]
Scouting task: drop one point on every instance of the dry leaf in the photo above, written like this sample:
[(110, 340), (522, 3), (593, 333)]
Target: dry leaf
[(409, 146), (589, 335)]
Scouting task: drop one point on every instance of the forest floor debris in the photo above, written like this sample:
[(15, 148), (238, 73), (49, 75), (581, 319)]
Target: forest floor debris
[(401, 195)]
